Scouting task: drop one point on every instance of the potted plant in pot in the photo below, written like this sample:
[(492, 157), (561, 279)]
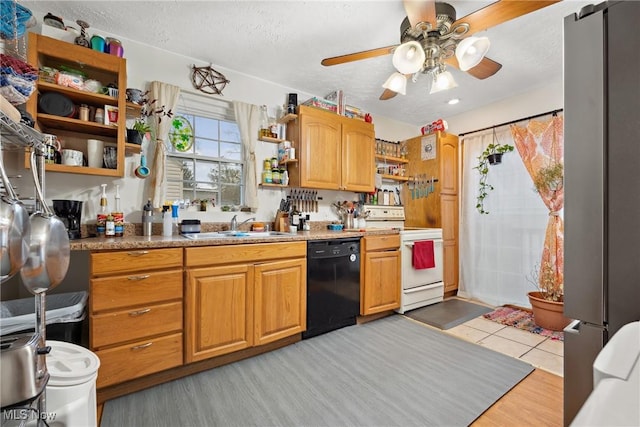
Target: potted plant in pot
[(136, 133), (547, 302), (491, 155)]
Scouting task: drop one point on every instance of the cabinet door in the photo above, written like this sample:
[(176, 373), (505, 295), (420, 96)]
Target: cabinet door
[(449, 205), (448, 157), (358, 151), (280, 300), (319, 152), (380, 283), (219, 311)]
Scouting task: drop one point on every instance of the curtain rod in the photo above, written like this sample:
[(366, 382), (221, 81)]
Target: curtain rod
[(513, 121)]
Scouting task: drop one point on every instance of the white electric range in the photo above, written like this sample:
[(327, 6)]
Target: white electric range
[(420, 287)]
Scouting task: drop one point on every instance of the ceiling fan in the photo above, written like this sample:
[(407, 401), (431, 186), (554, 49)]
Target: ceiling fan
[(431, 39)]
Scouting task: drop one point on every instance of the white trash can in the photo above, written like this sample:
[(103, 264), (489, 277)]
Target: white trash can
[(71, 391)]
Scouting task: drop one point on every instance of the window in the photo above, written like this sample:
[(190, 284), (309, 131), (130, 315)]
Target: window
[(212, 168)]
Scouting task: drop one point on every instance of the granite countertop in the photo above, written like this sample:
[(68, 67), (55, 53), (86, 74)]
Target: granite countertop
[(146, 242)]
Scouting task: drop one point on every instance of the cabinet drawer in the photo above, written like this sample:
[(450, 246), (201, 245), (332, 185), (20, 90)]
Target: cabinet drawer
[(135, 289), (136, 323), (377, 243), (135, 260), (207, 256), (138, 359)]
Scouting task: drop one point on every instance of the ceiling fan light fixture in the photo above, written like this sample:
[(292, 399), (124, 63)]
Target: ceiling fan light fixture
[(396, 82), (471, 50), (409, 57), (442, 81)]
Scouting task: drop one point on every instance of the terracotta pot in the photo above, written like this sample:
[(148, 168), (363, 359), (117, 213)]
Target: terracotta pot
[(548, 314)]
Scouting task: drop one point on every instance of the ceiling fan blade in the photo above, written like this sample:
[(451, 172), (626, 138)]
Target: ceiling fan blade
[(387, 94), (420, 11), (499, 12), (486, 68), (357, 56)]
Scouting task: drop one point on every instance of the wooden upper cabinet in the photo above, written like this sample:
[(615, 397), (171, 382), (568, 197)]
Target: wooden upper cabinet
[(335, 152), (357, 156), (319, 152), (448, 164)]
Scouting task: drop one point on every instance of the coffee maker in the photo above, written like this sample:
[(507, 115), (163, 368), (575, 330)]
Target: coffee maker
[(70, 212)]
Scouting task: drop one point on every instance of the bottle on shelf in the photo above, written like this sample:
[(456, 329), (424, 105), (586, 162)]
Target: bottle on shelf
[(118, 215), (265, 129), (103, 211)]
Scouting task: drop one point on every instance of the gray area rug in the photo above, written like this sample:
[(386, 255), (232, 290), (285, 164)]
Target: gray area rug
[(449, 313), (390, 372)]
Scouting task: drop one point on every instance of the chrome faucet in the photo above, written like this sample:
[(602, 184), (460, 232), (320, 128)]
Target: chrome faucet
[(233, 226)]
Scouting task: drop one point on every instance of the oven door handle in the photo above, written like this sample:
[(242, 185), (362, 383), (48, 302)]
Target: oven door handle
[(435, 242)]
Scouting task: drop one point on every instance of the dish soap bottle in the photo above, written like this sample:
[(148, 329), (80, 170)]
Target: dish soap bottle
[(102, 212)]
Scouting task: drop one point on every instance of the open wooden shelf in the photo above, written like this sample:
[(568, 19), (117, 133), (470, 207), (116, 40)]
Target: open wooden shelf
[(269, 139), (79, 96), (286, 162), (391, 159), (396, 178), (132, 148), (266, 184), (75, 125), (54, 167), (287, 118)]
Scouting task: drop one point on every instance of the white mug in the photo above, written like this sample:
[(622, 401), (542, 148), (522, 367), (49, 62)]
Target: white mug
[(95, 152), (71, 157)]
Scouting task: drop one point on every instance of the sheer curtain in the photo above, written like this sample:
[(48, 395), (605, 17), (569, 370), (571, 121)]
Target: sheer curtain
[(166, 96), (499, 250), (248, 124)]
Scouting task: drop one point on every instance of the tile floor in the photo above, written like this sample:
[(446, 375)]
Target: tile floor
[(539, 351)]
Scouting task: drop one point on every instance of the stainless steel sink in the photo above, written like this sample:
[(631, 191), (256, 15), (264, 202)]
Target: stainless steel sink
[(229, 233)]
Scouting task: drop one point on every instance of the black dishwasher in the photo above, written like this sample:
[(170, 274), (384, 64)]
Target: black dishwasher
[(333, 285)]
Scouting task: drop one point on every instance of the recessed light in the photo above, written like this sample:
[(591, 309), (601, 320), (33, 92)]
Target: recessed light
[(453, 101)]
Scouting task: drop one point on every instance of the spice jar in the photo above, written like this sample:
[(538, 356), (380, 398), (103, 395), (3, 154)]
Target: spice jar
[(99, 117), (84, 112)]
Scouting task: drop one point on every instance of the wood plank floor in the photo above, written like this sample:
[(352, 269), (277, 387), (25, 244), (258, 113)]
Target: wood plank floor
[(535, 401)]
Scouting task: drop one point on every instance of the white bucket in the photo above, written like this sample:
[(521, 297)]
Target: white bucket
[(71, 391)]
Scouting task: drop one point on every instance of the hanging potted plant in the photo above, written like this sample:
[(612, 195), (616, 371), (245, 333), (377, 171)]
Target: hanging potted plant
[(547, 302), (490, 156)]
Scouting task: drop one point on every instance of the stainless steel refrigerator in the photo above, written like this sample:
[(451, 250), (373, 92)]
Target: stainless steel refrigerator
[(602, 185)]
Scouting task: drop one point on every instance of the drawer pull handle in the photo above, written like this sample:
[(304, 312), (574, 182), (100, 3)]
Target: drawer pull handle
[(137, 253), (142, 346), (144, 276), (139, 312)]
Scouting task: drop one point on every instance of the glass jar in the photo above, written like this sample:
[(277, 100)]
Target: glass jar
[(275, 175), (264, 122)]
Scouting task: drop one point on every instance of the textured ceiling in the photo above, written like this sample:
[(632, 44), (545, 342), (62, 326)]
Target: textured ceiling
[(284, 42)]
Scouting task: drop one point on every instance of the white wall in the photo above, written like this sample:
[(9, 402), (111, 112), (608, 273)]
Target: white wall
[(147, 63)]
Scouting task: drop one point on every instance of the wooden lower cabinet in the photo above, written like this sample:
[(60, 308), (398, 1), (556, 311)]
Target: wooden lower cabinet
[(380, 280), (138, 359), (280, 300), (219, 303), (243, 295), (136, 313)]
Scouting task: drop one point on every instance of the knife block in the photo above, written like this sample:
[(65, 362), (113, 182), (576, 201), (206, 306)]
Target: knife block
[(281, 222)]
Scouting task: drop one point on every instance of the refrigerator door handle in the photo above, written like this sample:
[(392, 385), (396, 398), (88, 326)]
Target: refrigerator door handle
[(573, 327)]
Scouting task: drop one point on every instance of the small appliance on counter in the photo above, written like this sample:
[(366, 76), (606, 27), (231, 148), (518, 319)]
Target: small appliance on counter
[(70, 212), (188, 226)]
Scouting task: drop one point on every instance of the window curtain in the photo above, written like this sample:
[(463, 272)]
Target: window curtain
[(499, 251), (166, 96), (247, 118), (541, 144)]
